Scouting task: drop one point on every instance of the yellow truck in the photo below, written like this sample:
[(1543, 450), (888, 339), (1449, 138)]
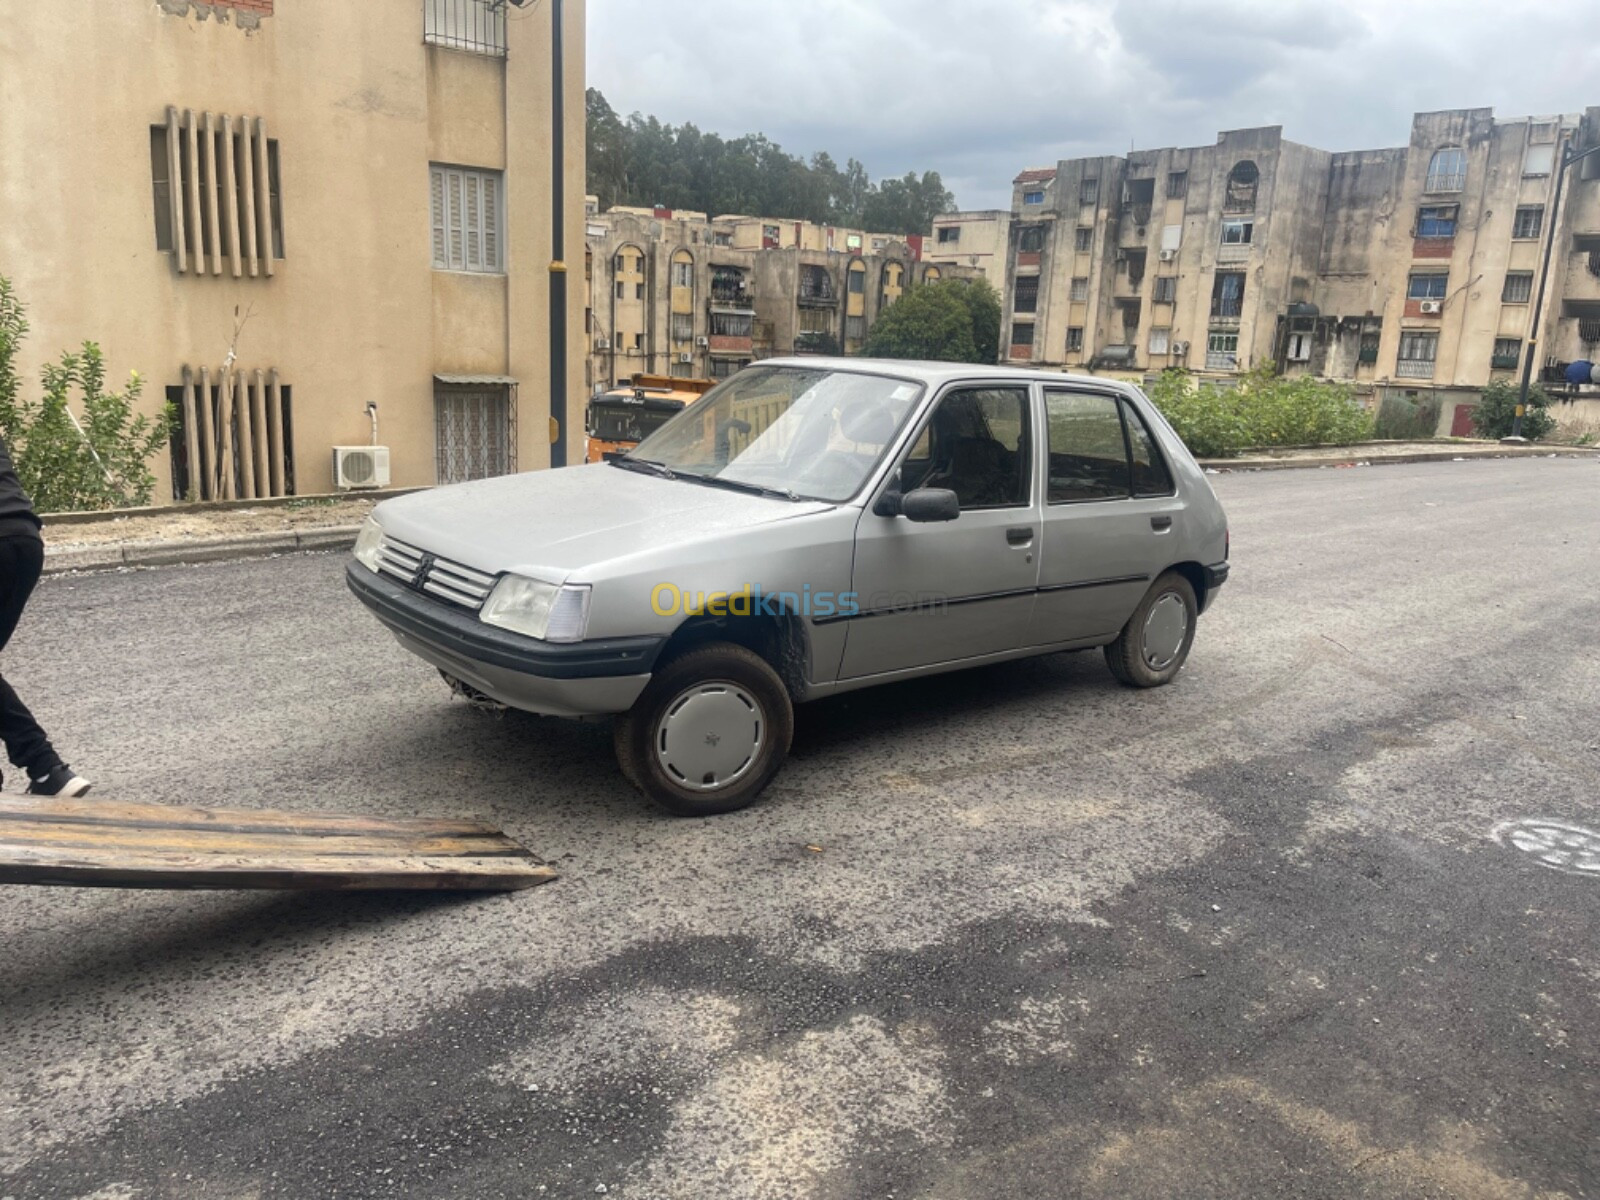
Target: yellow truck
[(623, 417)]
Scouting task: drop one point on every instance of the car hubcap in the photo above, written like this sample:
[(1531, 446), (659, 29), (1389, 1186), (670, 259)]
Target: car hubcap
[(1164, 629), (710, 736)]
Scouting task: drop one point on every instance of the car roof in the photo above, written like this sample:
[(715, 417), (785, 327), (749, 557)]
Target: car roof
[(937, 374)]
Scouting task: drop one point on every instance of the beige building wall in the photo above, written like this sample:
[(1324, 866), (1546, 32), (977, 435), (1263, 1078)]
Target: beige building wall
[(971, 239), (353, 312)]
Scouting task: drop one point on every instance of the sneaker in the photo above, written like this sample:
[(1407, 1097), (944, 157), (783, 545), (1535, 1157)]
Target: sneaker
[(59, 782)]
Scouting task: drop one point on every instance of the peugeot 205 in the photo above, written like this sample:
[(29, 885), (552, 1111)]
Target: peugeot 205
[(808, 527)]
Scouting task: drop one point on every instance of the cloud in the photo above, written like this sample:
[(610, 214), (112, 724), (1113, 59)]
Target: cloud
[(978, 89)]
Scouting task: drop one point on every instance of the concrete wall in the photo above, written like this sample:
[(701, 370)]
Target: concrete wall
[(354, 312)]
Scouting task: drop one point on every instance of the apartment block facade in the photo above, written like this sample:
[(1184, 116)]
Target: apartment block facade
[(972, 239), (680, 293), (280, 213), (1410, 270)]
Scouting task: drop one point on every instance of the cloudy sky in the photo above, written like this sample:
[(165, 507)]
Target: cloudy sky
[(978, 89)]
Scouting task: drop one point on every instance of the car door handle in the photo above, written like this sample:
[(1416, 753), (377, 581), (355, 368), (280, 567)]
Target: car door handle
[(1019, 537), (1161, 524)]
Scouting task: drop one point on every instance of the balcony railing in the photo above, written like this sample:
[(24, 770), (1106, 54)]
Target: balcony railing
[(478, 26), (1221, 360), (817, 290), (1445, 181), (1233, 252), (1414, 368), (1504, 362)]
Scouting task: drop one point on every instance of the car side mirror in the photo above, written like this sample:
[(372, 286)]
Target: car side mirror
[(930, 504)]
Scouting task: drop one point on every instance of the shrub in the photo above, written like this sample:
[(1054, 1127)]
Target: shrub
[(1264, 409), (1404, 419), (64, 462), (1496, 412)]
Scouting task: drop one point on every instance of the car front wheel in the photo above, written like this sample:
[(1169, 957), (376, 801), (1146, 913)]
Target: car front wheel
[(709, 731), (1153, 645)]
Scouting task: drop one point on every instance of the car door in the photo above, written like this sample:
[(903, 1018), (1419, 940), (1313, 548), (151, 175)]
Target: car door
[(1110, 516), (942, 591)]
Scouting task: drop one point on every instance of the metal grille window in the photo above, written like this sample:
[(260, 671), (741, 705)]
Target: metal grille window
[(1075, 339), (1083, 238), (1240, 196), (1417, 354), (1518, 288), (478, 26), (1589, 330), (1222, 350), (1080, 290), (739, 325), (1030, 239), (1507, 353), (1166, 289), (683, 327), (1160, 341), (1022, 334), (1447, 170), (1529, 223), (1026, 297), (467, 231), (474, 430), (215, 183)]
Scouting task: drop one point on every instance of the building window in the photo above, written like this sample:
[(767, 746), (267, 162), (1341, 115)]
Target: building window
[(816, 284), (736, 325), (1518, 288), (1437, 221), (1166, 289), (721, 238), (1447, 170), (1160, 341), (475, 25), (466, 220), (1022, 333), (1529, 222), (1237, 232), (214, 181), (1177, 185), (474, 431), (1033, 197), (1242, 183), (683, 327), (1367, 350), (638, 291), (1222, 350), (855, 328), (1429, 286), (949, 234), (683, 274), (1089, 191), (1539, 160), (622, 290), (1227, 294), (1025, 299), (1418, 351), (638, 341), (1541, 131), (1083, 238), (856, 279), (1507, 353), (1080, 290), (1299, 347), (1075, 339), (1030, 239)]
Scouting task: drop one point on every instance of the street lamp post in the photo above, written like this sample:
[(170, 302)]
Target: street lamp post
[(1568, 158)]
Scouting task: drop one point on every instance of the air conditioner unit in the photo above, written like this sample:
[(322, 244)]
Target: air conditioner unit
[(1431, 308), (1180, 348), (602, 343), (702, 342), (686, 357), (360, 467), (1167, 255)]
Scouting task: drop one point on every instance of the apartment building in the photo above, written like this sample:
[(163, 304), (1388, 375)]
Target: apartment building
[(1410, 270), (281, 213), (973, 239), (680, 293)]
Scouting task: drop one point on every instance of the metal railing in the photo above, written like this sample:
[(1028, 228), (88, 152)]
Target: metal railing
[(478, 26), (1414, 368), (1445, 181)]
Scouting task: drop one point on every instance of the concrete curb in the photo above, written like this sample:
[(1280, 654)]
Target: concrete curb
[(168, 510), (197, 550), (1354, 455)]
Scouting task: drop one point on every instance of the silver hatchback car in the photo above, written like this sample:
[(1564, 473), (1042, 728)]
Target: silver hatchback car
[(809, 527)]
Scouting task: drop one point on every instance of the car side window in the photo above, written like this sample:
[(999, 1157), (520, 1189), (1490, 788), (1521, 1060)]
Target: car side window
[(1088, 456), (1150, 474), (976, 444)]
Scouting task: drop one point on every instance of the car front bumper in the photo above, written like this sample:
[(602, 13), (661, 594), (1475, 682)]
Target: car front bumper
[(591, 678)]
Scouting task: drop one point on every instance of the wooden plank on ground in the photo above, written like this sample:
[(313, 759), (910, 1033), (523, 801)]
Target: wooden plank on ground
[(93, 843)]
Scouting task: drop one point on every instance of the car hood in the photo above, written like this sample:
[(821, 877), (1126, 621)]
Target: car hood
[(550, 524)]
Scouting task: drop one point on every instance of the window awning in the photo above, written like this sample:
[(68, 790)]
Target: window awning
[(477, 380)]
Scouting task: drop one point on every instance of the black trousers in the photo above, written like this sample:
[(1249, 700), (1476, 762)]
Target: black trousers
[(21, 560)]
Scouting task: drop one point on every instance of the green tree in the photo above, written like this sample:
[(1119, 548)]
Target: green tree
[(932, 322), (1261, 409), (1497, 412), (64, 462), (983, 302)]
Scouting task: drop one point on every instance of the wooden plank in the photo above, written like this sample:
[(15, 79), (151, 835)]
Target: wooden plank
[(87, 843)]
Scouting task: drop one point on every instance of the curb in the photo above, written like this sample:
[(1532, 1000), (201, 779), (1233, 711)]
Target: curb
[(1355, 458), (197, 550), (167, 510)]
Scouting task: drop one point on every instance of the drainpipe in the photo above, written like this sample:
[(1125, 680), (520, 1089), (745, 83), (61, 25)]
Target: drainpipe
[(558, 237)]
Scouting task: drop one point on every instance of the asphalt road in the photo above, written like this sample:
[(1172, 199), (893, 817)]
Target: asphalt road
[(1247, 935)]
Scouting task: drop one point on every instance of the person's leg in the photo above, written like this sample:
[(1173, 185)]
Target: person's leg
[(21, 560)]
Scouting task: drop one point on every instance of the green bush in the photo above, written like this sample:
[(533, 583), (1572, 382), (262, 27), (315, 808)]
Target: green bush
[(1496, 412), (1403, 419), (65, 462), (953, 320), (1264, 409)]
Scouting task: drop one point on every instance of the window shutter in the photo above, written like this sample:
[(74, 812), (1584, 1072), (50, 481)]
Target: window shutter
[(474, 220), (454, 187), (436, 181), (491, 223)]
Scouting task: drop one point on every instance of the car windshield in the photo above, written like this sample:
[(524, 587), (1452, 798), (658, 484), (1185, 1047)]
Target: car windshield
[(811, 432)]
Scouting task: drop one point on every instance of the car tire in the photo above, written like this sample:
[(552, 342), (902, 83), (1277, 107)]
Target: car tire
[(1154, 644), (708, 732)]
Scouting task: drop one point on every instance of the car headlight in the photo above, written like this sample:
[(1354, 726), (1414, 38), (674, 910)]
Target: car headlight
[(368, 542), (541, 610)]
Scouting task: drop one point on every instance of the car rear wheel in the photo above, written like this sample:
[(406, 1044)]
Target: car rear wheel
[(708, 733), (1154, 644)]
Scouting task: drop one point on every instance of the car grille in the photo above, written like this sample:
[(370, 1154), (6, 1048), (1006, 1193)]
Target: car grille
[(449, 581)]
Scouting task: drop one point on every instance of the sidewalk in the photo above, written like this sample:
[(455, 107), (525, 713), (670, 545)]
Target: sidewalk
[(160, 537)]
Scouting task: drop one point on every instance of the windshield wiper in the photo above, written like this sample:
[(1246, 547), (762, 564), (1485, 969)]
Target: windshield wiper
[(645, 466), (739, 485)]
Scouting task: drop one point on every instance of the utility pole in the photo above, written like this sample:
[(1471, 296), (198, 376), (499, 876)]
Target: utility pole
[(558, 243)]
